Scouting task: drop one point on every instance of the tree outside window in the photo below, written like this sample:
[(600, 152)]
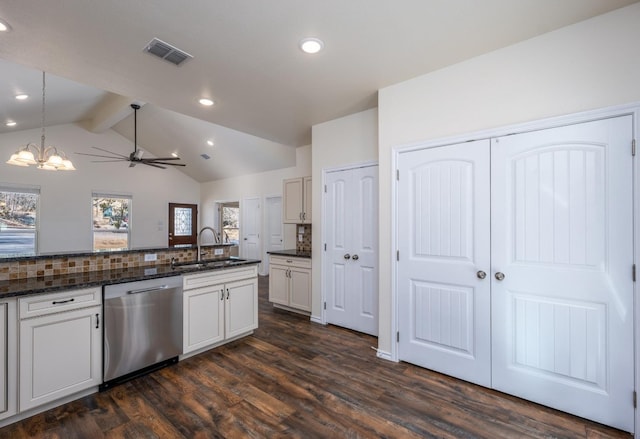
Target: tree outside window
[(111, 222), (18, 219)]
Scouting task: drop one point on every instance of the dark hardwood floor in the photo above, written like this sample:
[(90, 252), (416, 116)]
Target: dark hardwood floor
[(293, 378)]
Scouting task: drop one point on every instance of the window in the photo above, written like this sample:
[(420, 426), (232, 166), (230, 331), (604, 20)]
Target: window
[(229, 216), (111, 216), (18, 221)]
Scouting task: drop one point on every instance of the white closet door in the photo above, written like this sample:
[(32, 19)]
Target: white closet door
[(250, 228), (443, 239), (351, 276), (562, 236)]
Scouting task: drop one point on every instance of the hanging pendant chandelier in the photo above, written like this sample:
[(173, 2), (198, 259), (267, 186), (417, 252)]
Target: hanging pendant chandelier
[(49, 158)]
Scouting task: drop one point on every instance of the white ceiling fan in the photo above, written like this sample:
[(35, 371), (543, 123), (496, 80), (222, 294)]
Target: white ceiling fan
[(136, 156)]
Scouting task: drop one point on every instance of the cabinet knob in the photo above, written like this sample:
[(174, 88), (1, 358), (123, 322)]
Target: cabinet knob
[(499, 276), (347, 256), (355, 257), (481, 274)]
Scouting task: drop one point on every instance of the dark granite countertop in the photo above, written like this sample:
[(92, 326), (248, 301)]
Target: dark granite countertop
[(50, 284), (294, 253)]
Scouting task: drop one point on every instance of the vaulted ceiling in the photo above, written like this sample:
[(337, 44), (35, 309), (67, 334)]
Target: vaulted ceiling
[(267, 92)]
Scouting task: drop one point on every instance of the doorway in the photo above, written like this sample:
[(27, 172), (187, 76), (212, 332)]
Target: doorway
[(183, 224), (229, 223), (273, 227)]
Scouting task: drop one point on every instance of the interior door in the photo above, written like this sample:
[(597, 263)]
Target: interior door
[(273, 227), (351, 276), (250, 228), (183, 224), (562, 260), (444, 259)]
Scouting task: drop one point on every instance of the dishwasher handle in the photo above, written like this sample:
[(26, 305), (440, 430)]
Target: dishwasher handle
[(148, 290)]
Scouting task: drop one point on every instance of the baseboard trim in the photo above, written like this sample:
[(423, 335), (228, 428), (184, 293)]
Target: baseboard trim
[(317, 319), (384, 355)]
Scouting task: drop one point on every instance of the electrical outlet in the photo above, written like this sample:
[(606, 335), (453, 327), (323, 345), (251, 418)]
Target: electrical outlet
[(150, 257), (218, 252), (300, 238)]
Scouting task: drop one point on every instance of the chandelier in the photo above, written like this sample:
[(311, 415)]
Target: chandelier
[(49, 158)]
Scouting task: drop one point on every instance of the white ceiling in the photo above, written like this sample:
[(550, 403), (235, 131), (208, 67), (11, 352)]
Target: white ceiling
[(246, 58)]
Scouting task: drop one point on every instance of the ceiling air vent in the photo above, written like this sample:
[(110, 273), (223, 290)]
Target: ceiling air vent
[(205, 156), (167, 52)]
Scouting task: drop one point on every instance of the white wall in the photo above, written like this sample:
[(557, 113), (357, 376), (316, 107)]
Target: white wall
[(255, 185), (589, 65), (346, 141), (65, 197)]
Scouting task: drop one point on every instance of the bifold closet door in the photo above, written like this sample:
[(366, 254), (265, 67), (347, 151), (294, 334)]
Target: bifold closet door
[(443, 238), (562, 255), (351, 274)]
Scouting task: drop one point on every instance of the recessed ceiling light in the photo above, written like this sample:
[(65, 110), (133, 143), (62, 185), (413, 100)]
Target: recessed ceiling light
[(4, 26), (206, 102), (22, 97), (311, 45), (174, 154), (210, 142), (11, 123)]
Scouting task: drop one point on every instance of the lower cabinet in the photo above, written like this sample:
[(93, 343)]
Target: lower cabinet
[(290, 282), (60, 348), (8, 359), (219, 306)]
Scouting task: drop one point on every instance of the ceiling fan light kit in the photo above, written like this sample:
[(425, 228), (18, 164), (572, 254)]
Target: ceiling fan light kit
[(136, 156)]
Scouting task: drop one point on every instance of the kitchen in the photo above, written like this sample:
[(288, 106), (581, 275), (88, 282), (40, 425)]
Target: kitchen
[(364, 136)]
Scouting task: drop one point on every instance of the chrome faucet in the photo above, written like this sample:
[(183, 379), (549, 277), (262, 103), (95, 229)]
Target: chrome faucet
[(215, 237)]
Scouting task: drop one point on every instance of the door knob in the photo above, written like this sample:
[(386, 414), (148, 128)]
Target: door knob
[(499, 275), (355, 257), (481, 274), (347, 256)]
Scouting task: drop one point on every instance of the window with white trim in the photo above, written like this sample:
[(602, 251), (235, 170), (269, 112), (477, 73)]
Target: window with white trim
[(111, 218), (18, 221)]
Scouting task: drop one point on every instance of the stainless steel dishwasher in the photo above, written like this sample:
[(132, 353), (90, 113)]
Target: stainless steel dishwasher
[(142, 327)]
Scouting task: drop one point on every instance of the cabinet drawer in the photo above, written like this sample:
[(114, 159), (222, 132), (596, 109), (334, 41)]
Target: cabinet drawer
[(199, 280), (43, 304), (290, 261)]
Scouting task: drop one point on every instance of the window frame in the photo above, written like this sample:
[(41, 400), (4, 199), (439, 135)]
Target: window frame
[(114, 196), (25, 189)]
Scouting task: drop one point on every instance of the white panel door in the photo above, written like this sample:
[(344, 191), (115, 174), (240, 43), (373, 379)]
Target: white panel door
[(274, 238), (250, 228), (443, 240), (562, 237), (351, 274)]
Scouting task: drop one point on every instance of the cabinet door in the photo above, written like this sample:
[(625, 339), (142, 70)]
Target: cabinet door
[(60, 354), (241, 308), (292, 193), (8, 360), (306, 213), (203, 319), (300, 294), (278, 284)]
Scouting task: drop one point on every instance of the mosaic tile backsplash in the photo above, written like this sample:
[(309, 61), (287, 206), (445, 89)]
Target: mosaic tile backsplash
[(54, 266), (305, 245)]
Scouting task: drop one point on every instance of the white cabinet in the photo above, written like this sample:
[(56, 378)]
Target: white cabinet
[(60, 348), (296, 205), (290, 282), (219, 306), (8, 358)]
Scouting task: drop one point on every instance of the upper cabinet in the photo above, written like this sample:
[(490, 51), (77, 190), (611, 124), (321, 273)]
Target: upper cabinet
[(296, 206)]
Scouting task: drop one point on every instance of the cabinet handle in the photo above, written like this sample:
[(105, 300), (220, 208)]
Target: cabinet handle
[(222, 294), (59, 302), (97, 320), (227, 293), (304, 216)]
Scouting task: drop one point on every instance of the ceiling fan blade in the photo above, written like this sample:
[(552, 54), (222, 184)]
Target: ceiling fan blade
[(163, 158), (153, 164), (103, 156), (163, 163), (108, 161), (110, 152)]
